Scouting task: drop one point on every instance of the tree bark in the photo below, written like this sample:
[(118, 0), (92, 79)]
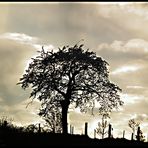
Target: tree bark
[(65, 105)]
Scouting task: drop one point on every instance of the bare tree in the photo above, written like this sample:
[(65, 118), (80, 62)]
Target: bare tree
[(70, 76), (133, 125), (53, 118), (101, 129)]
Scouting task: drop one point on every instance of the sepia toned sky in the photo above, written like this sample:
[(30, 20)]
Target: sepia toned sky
[(118, 32)]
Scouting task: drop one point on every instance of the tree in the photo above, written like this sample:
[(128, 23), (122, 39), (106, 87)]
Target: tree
[(102, 126), (70, 76), (133, 125), (31, 128), (140, 136), (53, 118)]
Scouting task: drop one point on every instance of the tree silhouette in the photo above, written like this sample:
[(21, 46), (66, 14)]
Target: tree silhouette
[(31, 128), (53, 118), (133, 125), (102, 126), (140, 136), (70, 75)]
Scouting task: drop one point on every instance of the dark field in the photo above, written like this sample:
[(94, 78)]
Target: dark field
[(59, 140)]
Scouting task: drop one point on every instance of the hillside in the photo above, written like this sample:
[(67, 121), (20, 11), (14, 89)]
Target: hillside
[(50, 139)]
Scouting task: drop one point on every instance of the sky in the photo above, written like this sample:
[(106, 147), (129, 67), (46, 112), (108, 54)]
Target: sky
[(115, 31)]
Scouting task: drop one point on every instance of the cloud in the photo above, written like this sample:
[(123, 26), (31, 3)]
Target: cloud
[(20, 37), (133, 53), (141, 118), (129, 70), (128, 62), (13, 59), (131, 98), (15, 51), (135, 15), (139, 46), (4, 13), (135, 87), (139, 9), (64, 25), (22, 115), (125, 69), (26, 39)]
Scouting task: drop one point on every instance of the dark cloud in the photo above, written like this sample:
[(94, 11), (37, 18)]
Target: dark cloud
[(13, 56), (64, 23)]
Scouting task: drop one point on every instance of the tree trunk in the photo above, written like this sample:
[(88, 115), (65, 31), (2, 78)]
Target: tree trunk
[(65, 105)]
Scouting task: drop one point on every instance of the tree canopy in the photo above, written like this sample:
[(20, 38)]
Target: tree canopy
[(70, 75)]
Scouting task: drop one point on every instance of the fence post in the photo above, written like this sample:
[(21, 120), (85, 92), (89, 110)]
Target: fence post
[(94, 133), (109, 131), (123, 133), (132, 137), (5, 123), (39, 131), (138, 133), (72, 129), (86, 127)]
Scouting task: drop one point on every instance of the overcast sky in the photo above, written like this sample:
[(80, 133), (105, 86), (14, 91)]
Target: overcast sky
[(115, 31)]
